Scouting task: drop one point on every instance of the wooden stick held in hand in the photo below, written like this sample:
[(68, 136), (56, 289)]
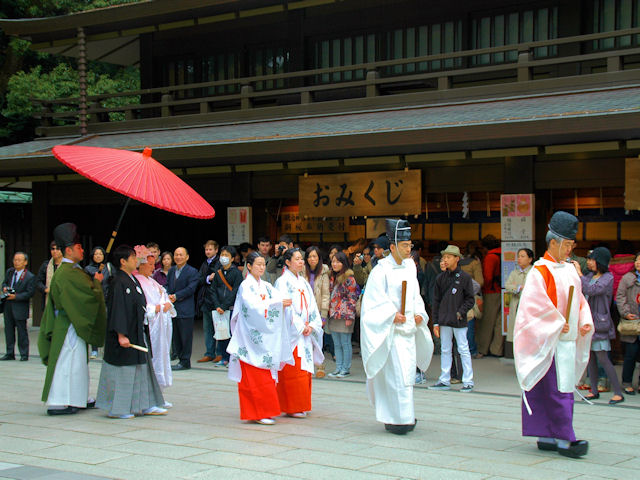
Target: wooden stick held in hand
[(138, 347), (403, 298), (568, 312)]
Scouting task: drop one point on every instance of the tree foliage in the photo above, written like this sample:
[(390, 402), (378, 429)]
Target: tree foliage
[(26, 74)]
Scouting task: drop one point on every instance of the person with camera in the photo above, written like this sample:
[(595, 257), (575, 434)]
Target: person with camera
[(17, 289), (276, 267), (362, 266)]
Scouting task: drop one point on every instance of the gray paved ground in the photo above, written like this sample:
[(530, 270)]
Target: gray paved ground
[(470, 436)]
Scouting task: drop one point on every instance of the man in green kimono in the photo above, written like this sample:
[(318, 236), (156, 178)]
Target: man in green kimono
[(74, 316)]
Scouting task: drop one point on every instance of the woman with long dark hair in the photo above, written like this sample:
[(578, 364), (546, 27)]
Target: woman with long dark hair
[(342, 312), (317, 274)]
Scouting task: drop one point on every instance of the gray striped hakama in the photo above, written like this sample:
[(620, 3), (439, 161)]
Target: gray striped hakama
[(125, 389)]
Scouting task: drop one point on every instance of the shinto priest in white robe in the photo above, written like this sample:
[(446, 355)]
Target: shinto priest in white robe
[(390, 351), (160, 328), (259, 333), (303, 311)]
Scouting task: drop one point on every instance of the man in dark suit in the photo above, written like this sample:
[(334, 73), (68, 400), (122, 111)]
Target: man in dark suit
[(182, 282), (207, 271), (16, 305)]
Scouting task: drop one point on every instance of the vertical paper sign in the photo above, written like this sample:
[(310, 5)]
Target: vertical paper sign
[(239, 225), (517, 217)]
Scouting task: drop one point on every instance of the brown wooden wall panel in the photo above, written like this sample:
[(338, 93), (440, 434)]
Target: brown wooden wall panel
[(630, 231), (437, 231), (275, 186), (356, 232), (463, 178), (465, 231), (632, 184), (491, 229), (602, 231), (583, 173)]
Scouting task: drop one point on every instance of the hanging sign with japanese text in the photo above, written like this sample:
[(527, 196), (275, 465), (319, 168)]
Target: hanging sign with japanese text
[(292, 222), (517, 217), (239, 225), (359, 194)]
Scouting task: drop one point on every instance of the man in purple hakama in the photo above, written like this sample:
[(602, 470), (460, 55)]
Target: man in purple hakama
[(552, 337), (553, 417)]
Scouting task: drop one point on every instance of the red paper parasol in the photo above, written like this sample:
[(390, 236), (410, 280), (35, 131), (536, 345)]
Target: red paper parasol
[(136, 175)]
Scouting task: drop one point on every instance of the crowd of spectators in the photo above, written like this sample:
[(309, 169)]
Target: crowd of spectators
[(338, 280)]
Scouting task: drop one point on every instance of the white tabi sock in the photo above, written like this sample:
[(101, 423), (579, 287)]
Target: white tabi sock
[(547, 440)]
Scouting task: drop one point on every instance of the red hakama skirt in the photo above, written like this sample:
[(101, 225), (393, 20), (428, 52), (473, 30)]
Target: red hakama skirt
[(257, 393), (294, 387)]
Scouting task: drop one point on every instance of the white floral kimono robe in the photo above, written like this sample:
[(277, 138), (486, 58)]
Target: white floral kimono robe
[(259, 333), (303, 311), (390, 351), (160, 328)]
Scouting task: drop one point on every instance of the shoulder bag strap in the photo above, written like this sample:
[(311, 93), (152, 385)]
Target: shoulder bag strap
[(224, 280)]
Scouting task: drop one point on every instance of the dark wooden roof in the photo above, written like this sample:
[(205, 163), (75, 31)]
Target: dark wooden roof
[(525, 121)]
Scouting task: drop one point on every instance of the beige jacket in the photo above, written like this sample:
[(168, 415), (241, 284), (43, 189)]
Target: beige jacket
[(627, 300), (514, 286), (473, 268), (322, 292)]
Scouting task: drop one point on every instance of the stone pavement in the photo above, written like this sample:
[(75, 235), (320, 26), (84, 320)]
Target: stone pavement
[(470, 436)]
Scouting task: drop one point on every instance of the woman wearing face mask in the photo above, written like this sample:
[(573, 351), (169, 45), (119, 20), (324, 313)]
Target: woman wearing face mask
[(305, 337), (627, 300), (221, 294), (259, 345)]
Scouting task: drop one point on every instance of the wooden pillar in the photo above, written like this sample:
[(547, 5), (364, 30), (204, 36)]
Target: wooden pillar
[(40, 238), (241, 191), (518, 178)]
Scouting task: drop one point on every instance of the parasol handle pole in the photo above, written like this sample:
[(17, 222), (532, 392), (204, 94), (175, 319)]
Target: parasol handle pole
[(566, 315), (403, 298), (115, 230)]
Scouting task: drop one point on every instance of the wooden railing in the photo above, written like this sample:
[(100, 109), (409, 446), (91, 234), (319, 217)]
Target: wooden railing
[(165, 101)]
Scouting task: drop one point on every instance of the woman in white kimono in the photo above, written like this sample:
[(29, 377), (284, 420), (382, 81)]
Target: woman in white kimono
[(305, 336), (159, 313), (259, 345)]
